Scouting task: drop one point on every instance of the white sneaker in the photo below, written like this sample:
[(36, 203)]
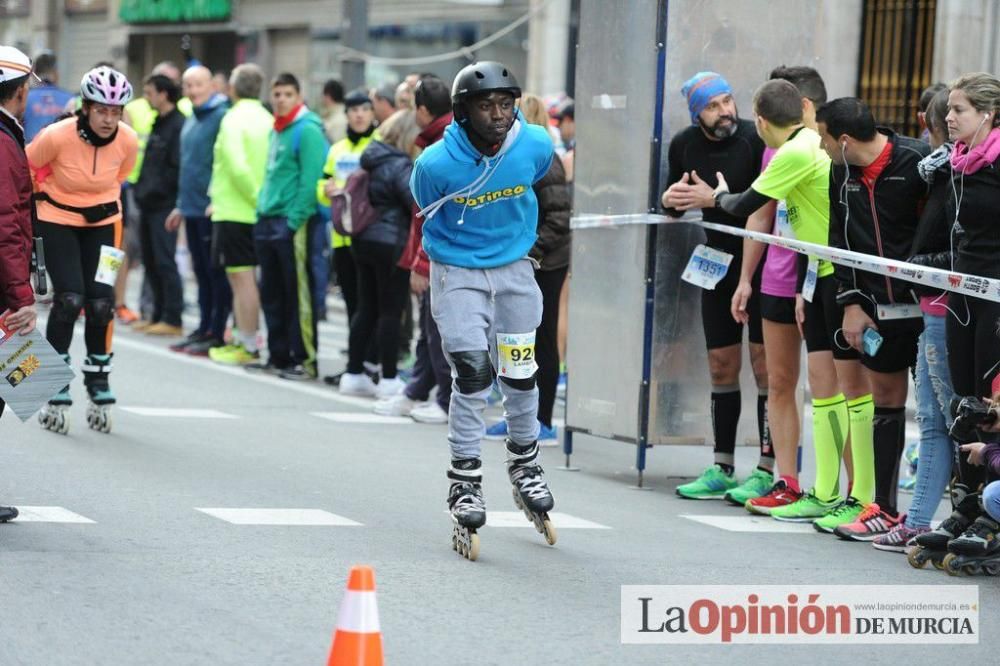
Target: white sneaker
[(429, 412), (397, 405), (387, 388), (359, 384)]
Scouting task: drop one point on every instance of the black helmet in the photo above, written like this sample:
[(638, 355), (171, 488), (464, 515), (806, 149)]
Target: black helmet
[(483, 77)]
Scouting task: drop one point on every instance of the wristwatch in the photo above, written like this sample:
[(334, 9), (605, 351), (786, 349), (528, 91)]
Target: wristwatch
[(718, 198)]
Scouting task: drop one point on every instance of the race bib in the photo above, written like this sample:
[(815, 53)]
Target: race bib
[(516, 355), (783, 228), (109, 264), (809, 286), (898, 311), (707, 267)]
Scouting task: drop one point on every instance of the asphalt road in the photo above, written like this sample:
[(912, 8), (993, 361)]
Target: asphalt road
[(149, 569)]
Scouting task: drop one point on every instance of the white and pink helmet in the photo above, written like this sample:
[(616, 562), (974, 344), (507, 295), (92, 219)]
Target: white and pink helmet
[(107, 86)]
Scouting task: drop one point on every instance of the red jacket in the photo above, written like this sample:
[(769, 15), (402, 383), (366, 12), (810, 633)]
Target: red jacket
[(414, 258), (15, 218)]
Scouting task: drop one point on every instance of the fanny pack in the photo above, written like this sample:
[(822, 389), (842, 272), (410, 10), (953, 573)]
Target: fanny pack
[(92, 214)]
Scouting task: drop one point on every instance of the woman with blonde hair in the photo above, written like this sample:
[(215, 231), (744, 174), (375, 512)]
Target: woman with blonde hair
[(383, 287), (551, 256)]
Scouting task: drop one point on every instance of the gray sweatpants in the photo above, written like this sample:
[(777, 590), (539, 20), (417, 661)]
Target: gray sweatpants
[(471, 306)]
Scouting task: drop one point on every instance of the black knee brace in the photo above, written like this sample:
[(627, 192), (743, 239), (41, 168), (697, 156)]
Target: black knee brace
[(66, 306), (474, 370), (100, 311), (520, 384)]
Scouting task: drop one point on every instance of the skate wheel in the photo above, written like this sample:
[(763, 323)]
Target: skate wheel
[(992, 569), (473, 551), (550, 531), (938, 564), (914, 558), (63, 428), (948, 564)]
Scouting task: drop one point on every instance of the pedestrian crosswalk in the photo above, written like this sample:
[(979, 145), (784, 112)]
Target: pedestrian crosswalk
[(179, 413), (296, 517), (290, 517)]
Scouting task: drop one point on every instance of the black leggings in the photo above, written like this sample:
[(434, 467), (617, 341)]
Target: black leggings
[(973, 350), (547, 341), (71, 258), (383, 288)]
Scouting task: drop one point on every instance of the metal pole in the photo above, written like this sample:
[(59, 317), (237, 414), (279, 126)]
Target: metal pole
[(355, 37)]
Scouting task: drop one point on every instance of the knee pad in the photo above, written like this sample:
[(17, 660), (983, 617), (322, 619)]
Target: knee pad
[(474, 370), (520, 384), (100, 311), (66, 306)]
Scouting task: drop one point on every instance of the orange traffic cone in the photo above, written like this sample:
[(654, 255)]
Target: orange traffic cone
[(358, 639)]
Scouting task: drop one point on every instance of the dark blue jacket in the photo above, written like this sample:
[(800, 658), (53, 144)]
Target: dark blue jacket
[(389, 191), (197, 144)]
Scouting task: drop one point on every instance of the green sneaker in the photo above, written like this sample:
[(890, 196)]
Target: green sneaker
[(712, 484), (847, 512), (757, 484), (233, 355), (805, 510)]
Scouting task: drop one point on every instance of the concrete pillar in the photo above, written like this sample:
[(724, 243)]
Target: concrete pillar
[(548, 44), (965, 38)]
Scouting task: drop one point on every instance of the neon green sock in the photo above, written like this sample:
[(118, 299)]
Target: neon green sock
[(830, 427), (861, 411)]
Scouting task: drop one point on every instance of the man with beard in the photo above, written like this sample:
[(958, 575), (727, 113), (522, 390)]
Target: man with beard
[(719, 141)]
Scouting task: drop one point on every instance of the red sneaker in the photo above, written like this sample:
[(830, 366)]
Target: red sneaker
[(873, 522), (780, 495), (125, 316)]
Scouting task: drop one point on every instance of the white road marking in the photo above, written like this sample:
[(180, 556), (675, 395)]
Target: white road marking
[(49, 514), (179, 413), (357, 417), (560, 520), (749, 523), (295, 517)]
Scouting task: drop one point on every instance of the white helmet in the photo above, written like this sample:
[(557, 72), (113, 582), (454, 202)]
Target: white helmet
[(105, 85)]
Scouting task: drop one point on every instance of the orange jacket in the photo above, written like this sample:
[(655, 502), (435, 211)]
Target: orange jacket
[(76, 173)]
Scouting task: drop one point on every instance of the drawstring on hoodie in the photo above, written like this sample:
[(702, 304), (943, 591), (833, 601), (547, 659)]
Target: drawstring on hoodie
[(429, 211)]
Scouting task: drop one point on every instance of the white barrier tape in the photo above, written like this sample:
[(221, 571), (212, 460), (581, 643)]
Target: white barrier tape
[(959, 283)]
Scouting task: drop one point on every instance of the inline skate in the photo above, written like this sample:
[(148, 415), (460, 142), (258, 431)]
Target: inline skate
[(531, 493), (466, 505)]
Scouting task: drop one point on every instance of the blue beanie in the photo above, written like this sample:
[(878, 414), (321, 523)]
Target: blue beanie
[(701, 88)]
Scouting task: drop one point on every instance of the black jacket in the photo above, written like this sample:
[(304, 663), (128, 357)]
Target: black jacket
[(979, 218), (933, 245), (880, 221), (389, 191), (156, 188), (551, 250)]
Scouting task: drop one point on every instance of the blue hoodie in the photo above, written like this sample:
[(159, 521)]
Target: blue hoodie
[(481, 212), (197, 145)]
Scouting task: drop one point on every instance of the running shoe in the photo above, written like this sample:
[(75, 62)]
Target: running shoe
[(847, 512), (805, 510), (267, 368), (183, 345), (756, 485), (387, 388), (780, 495), (897, 540), (163, 329), (429, 412), (907, 484), (357, 384), (397, 405), (233, 355), (296, 373), (547, 436), (497, 431), (125, 315), (872, 523), (202, 348), (712, 484)]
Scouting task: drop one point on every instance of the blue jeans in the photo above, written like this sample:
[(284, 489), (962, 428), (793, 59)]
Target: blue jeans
[(934, 394), (991, 500)]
